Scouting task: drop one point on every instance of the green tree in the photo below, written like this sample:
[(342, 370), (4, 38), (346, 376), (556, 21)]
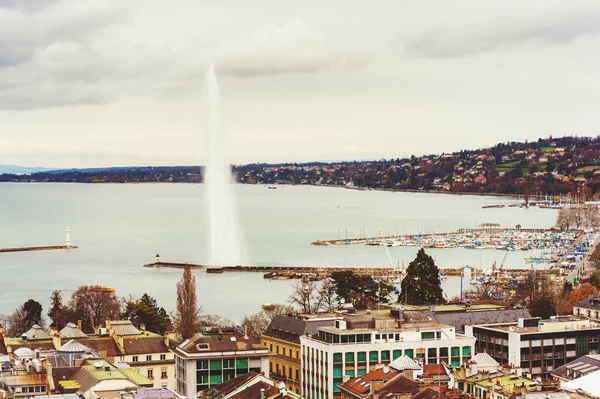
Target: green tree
[(358, 289), (57, 312), (422, 285), (33, 313), (145, 311)]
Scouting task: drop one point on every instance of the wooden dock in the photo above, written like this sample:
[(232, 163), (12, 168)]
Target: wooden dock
[(38, 248)]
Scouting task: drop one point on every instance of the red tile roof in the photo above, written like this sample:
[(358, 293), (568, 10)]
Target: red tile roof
[(433, 369), (362, 385), (399, 385)]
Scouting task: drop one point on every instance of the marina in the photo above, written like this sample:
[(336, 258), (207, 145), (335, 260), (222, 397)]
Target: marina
[(485, 238)]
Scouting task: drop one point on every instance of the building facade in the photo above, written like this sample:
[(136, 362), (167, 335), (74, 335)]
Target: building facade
[(358, 343), (537, 346), (205, 361), (282, 338)]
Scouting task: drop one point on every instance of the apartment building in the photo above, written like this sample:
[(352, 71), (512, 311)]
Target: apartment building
[(357, 343), (537, 346), (204, 361)]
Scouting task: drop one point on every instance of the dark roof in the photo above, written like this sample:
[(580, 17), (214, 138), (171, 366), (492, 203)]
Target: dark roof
[(219, 343), (254, 391), (227, 387), (462, 319), (101, 344), (426, 394), (137, 345), (361, 385), (63, 373), (250, 392), (399, 385), (578, 367), (589, 303), (42, 345), (292, 328)]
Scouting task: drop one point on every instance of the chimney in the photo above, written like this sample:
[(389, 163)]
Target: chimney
[(56, 341), (142, 327), (262, 393), (79, 324), (246, 332)]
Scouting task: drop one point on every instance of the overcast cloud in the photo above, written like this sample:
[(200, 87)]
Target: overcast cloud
[(118, 82)]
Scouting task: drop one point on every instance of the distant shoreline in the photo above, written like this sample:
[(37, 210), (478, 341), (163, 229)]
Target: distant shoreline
[(395, 190)]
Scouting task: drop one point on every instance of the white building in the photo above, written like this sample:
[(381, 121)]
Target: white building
[(357, 343)]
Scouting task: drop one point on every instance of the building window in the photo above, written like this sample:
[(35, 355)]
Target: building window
[(396, 354), (373, 356), (337, 357), (150, 373), (228, 363), (455, 351), (427, 335), (163, 357), (443, 352), (134, 359), (350, 357), (163, 372), (202, 364), (385, 356), (148, 358), (466, 351)]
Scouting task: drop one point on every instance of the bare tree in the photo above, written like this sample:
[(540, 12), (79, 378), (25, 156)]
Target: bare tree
[(326, 292), (16, 323), (305, 295), (256, 324), (214, 320), (186, 320), (93, 305)]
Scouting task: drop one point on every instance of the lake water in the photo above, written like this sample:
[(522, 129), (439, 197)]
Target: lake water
[(118, 228)]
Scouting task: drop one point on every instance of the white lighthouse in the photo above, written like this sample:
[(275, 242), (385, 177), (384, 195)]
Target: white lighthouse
[(68, 241)]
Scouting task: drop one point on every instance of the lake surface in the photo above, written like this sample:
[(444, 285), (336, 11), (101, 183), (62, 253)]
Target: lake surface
[(118, 228)]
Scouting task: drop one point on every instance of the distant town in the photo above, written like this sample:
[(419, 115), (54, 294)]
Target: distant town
[(550, 166)]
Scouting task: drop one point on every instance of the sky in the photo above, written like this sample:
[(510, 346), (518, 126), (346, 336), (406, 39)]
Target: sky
[(90, 83)]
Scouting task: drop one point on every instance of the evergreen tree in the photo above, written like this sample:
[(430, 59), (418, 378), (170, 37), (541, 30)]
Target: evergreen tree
[(422, 285), (33, 313), (146, 311), (57, 312)]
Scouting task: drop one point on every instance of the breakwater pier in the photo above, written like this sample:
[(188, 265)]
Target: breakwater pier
[(38, 248), (291, 272)]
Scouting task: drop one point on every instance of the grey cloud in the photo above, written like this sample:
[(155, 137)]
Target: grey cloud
[(293, 47), (453, 40), (26, 5)]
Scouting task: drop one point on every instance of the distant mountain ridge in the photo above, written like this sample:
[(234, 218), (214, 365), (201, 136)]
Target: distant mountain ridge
[(22, 170)]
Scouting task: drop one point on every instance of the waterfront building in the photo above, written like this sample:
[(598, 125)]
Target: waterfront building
[(204, 361), (282, 338), (537, 346), (357, 343)]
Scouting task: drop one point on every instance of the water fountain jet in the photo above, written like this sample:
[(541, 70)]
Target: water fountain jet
[(225, 242)]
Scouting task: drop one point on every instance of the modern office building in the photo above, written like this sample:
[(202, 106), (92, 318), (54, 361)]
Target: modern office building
[(357, 343), (537, 346), (207, 360)]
